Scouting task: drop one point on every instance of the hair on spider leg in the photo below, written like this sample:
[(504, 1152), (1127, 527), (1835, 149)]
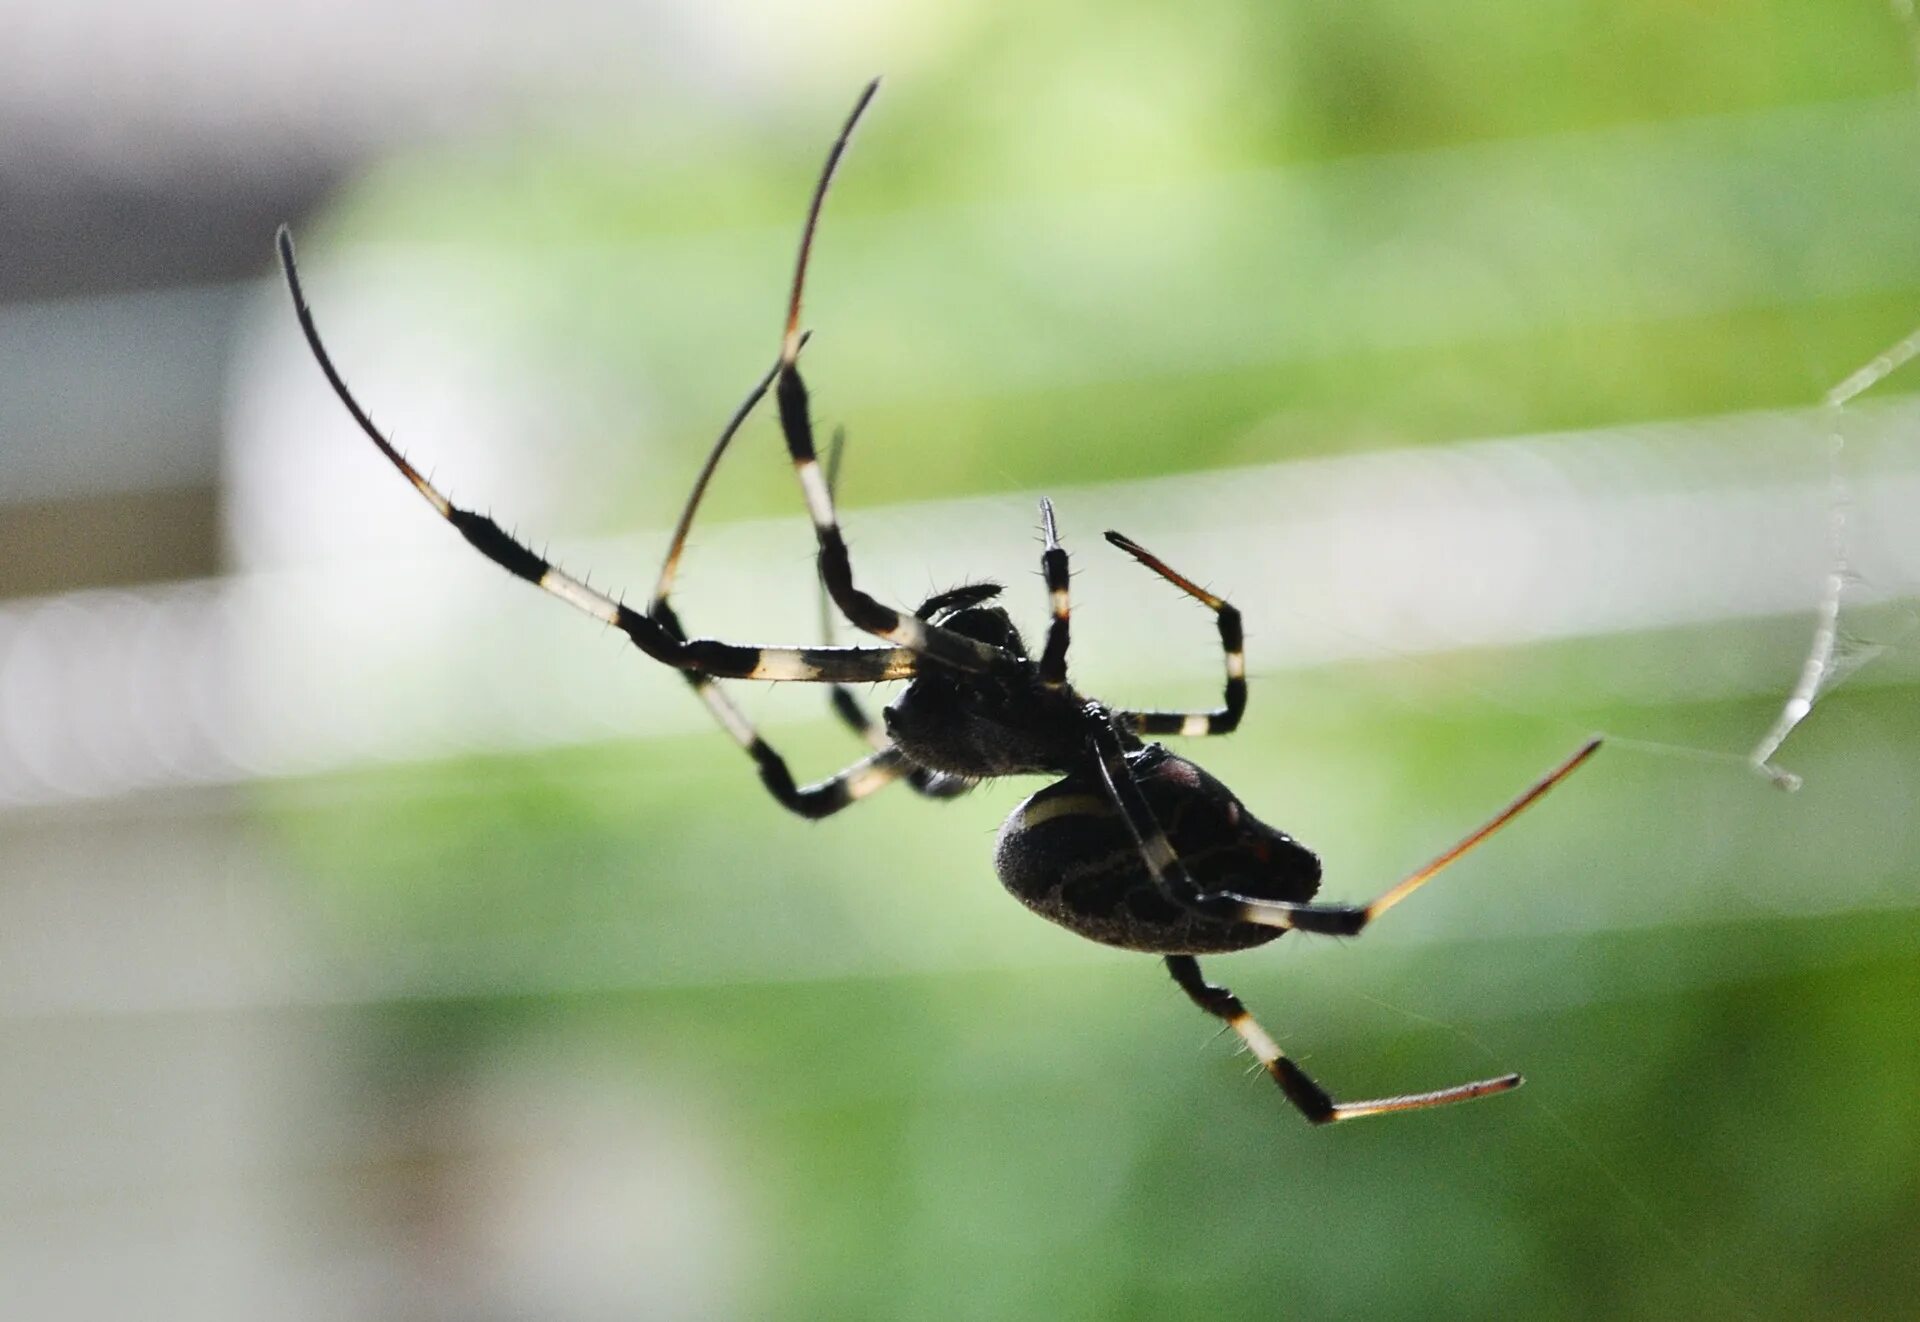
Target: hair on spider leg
[(1128, 844)]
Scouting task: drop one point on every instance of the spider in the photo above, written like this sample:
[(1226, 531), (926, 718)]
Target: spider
[(1132, 846)]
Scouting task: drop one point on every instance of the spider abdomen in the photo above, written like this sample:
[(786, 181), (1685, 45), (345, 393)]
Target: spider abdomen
[(1067, 854)]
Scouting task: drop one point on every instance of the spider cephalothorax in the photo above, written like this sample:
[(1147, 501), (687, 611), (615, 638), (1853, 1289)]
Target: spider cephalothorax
[(1132, 845), (982, 724)]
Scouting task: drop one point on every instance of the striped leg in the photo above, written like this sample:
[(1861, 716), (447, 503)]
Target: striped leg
[(659, 609), (1053, 567), (846, 704), (1308, 1097), (707, 656), (1171, 876), (813, 800), (670, 566), (904, 630), (836, 568), (872, 773), (1222, 719), (1173, 880)]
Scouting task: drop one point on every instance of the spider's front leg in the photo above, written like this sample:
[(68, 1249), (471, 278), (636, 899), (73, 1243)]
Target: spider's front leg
[(837, 792), (842, 790), (796, 423), (866, 612), (707, 656), (829, 796), (845, 703)]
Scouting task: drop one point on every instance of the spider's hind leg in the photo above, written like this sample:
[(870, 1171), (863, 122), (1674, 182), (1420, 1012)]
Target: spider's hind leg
[(1308, 1097), (1171, 878)]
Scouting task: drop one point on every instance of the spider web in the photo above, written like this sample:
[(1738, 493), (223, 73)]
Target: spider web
[(1832, 656)]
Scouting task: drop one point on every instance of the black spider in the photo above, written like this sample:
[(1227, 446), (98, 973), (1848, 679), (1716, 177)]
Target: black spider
[(1134, 846)]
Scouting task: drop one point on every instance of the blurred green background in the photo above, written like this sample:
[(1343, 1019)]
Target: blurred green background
[(561, 1017)]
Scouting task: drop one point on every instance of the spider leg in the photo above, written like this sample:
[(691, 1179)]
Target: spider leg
[(1348, 919), (846, 704), (876, 771), (703, 655), (1171, 877), (813, 801), (670, 565), (1308, 1097), (659, 609), (1053, 567), (872, 772), (836, 567), (1221, 720), (865, 612)]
